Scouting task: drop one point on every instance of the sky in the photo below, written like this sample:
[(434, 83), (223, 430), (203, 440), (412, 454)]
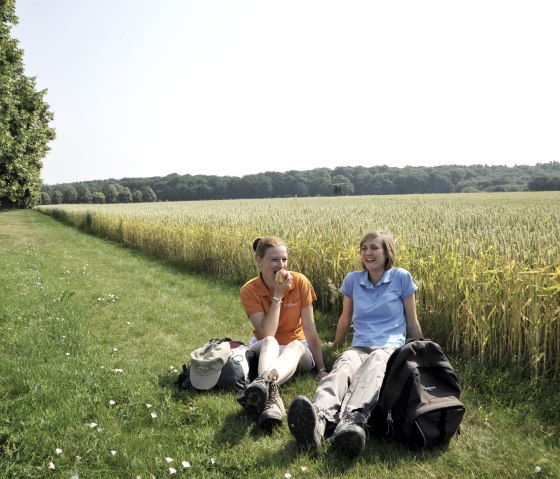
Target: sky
[(143, 88)]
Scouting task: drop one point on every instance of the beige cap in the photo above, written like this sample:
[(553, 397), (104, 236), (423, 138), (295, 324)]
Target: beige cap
[(207, 363)]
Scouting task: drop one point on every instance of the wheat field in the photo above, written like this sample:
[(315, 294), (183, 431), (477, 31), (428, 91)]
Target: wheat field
[(487, 265)]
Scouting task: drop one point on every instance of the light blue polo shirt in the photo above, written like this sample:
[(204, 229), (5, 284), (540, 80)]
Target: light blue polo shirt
[(378, 315)]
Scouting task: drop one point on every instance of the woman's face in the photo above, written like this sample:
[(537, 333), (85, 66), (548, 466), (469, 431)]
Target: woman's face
[(274, 259), (373, 255)]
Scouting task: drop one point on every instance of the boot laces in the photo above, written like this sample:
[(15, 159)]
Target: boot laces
[(274, 396), (356, 417)]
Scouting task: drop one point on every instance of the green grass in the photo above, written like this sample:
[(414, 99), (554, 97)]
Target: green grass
[(74, 307)]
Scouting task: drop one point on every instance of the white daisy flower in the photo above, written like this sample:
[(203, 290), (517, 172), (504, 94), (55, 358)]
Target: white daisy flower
[(58, 451), (172, 470), (168, 459), (186, 464)]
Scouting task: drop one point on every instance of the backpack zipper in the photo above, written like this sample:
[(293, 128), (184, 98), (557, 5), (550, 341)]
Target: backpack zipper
[(390, 429)]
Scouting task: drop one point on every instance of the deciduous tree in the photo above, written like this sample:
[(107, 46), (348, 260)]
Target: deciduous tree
[(70, 194), (136, 196), (124, 195), (24, 120), (84, 195), (57, 198), (148, 194), (98, 198)]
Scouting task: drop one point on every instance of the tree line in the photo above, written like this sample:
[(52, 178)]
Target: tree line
[(358, 180), (109, 193)]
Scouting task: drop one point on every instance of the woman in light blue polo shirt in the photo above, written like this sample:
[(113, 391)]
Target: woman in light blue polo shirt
[(380, 301)]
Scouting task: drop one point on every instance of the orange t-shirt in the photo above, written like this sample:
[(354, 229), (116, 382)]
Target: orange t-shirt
[(256, 298)]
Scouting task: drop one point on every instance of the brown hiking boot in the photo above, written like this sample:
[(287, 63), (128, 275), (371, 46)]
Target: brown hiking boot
[(274, 411), (256, 394)]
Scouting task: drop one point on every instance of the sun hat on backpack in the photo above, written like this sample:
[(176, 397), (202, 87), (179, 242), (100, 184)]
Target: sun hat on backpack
[(220, 364), (207, 363)]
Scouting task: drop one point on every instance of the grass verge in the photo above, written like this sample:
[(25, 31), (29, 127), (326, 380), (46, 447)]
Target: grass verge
[(75, 310)]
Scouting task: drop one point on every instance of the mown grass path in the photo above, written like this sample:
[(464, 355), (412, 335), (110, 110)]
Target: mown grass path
[(76, 310)]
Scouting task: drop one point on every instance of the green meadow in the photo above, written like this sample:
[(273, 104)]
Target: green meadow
[(93, 332)]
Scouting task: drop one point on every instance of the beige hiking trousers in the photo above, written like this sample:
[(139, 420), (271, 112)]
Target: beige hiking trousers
[(353, 384)]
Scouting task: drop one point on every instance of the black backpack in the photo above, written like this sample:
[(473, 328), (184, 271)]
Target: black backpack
[(419, 398)]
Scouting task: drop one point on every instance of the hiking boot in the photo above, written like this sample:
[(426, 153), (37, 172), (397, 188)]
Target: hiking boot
[(274, 411), (349, 436), (256, 394), (304, 424)]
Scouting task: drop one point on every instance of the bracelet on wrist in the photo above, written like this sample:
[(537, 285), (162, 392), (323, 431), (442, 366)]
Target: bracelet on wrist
[(277, 299), (321, 370)]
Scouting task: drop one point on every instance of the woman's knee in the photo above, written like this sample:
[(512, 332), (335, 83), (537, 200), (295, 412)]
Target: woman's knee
[(269, 341), (346, 365), (296, 347)]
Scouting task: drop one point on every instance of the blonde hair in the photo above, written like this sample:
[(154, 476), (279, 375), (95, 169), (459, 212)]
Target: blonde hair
[(388, 245)]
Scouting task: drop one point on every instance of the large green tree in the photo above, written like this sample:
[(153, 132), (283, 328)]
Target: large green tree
[(24, 121)]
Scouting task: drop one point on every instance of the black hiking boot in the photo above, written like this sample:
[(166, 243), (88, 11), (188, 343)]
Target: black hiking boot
[(349, 436), (256, 394), (304, 424)]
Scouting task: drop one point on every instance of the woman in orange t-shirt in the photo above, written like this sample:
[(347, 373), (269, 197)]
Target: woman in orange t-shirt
[(280, 306)]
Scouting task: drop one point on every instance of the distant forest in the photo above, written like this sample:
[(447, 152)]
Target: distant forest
[(343, 180)]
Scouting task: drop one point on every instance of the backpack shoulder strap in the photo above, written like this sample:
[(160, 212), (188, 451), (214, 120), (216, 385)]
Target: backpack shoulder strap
[(396, 376)]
